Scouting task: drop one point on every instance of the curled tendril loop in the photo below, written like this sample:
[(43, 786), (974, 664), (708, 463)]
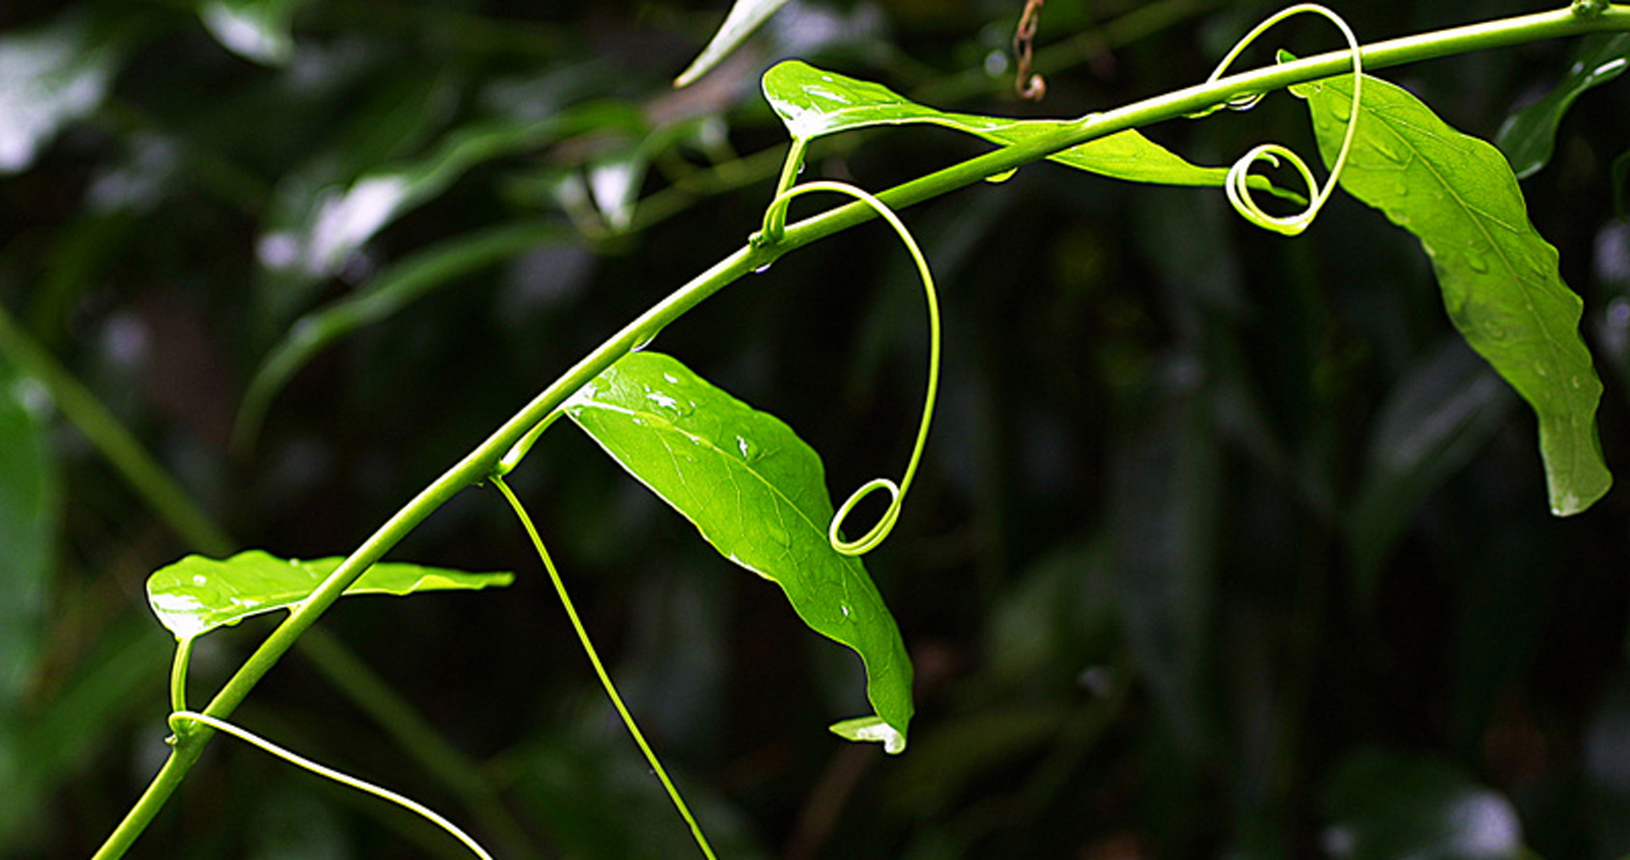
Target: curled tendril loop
[(1239, 193), (897, 492)]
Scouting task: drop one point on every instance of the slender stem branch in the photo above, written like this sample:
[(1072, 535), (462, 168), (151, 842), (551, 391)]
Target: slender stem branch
[(600, 668), (478, 464)]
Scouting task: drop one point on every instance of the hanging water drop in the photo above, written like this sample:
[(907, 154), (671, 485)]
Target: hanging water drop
[(1004, 176)]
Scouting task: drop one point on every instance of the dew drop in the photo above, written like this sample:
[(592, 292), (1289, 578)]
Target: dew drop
[(748, 448), (199, 579), (1541, 370), (1004, 176), (762, 269), (1478, 263), (1577, 381)]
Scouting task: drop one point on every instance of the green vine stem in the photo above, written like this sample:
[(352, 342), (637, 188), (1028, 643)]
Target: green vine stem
[(599, 668), (1238, 185), (477, 465), (179, 723)]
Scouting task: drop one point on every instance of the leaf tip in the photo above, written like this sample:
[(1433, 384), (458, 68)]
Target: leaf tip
[(872, 729)]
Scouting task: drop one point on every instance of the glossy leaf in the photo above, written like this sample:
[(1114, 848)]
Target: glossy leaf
[(812, 103), (1500, 280), (758, 494), (28, 497), (256, 30), (197, 594), (1386, 805), (745, 17), (49, 79), (1528, 136)]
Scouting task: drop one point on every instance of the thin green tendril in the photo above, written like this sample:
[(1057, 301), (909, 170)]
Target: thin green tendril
[(253, 739), (600, 669), (897, 492), (1239, 193)]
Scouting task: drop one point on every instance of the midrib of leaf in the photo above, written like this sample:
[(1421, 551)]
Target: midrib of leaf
[(1473, 214), (726, 455)]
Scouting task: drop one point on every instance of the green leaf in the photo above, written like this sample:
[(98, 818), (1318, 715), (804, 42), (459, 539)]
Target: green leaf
[(758, 494), (812, 102), (1385, 805), (257, 30), (744, 18), (197, 594), (1500, 280), (1528, 136)]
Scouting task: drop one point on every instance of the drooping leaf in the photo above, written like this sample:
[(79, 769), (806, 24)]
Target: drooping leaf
[(28, 496), (745, 17), (196, 594), (1388, 805), (1500, 280), (49, 78), (1528, 136), (256, 30), (812, 102), (758, 494)]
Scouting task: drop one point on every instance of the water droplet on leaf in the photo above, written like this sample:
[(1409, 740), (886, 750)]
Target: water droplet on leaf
[(1001, 177)]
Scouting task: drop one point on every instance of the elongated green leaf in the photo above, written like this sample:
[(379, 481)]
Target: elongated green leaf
[(381, 297), (813, 102), (28, 502), (744, 18), (1500, 280), (197, 594), (758, 494), (1528, 136)]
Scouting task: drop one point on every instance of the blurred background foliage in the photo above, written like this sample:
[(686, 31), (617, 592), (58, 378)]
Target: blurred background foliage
[(1225, 546)]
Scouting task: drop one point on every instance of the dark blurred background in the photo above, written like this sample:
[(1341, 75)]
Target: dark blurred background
[(1225, 546)]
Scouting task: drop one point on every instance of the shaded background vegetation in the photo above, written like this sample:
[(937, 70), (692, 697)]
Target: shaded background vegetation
[(1225, 545)]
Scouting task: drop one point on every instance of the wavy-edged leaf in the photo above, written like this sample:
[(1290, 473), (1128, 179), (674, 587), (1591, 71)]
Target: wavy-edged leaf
[(1528, 136), (49, 78), (1500, 280), (196, 594), (257, 30), (745, 17), (758, 494), (813, 102)]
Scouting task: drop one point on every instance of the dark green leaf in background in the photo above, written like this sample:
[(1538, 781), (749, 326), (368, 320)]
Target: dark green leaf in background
[(28, 496), (758, 494), (1529, 136), (49, 78), (197, 594), (1385, 805), (1501, 283), (256, 30)]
